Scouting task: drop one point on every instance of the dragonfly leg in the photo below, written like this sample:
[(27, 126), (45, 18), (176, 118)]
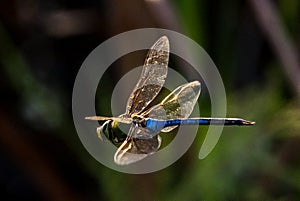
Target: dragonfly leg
[(99, 133)]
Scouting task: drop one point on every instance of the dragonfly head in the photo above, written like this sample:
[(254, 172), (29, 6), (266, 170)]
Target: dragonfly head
[(111, 131)]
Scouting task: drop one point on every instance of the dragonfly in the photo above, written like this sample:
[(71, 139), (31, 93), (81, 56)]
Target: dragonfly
[(145, 124)]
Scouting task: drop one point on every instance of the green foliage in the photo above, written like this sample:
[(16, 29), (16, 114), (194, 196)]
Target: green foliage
[(191, 15), (39, 104), (289, 10)]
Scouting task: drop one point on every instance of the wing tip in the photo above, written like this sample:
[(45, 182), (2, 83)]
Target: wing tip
[(163, 43), (91, 118), (164, 37), (196, 83)]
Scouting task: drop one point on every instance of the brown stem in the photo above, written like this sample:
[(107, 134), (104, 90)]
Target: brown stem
[(269, 21)]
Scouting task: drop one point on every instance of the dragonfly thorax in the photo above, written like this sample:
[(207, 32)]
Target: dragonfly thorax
[(138, 120), (136, 117)]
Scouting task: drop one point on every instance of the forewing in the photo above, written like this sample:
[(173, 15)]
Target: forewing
[(178, 104), (152, 77), (134, 149), (121, 119)]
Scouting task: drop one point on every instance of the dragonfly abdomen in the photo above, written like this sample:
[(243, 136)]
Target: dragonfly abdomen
[(211, 121), (190, 121), (156, 125)]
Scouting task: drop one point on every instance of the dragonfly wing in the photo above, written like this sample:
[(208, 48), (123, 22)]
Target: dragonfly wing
[(120, 119), (152, 77), (134, 149), (178, 104)]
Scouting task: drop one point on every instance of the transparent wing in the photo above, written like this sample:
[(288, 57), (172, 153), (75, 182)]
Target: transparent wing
[(134, 149), (178, 104), (152, 77), (121, 119)]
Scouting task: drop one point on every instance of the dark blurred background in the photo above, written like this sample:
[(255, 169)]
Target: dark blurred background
[(255, 45)]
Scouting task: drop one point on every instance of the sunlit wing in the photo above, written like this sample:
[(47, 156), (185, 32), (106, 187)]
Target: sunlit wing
[(152, 77), (120, 119), (134, 149), (177, 105)]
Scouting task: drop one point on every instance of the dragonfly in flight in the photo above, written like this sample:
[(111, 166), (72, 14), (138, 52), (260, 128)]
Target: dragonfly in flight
[(145, 124)]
